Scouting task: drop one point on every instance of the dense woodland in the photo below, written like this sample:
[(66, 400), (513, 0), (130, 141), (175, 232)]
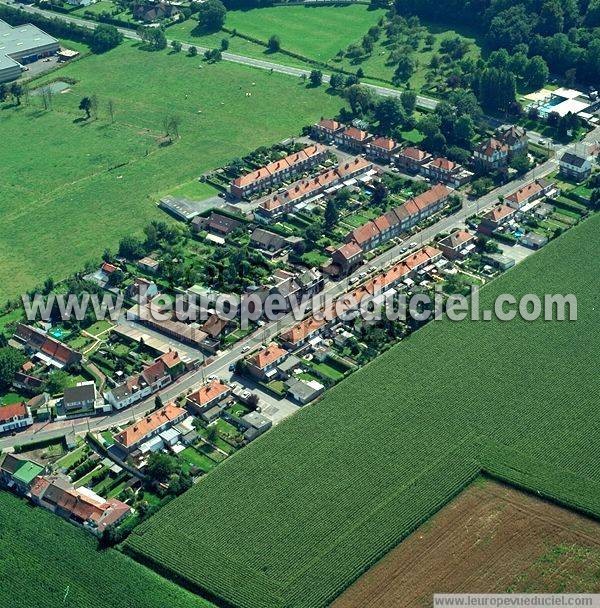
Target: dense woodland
[(565, 33)]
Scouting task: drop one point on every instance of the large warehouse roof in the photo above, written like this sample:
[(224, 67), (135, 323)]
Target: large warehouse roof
[(19, 40)]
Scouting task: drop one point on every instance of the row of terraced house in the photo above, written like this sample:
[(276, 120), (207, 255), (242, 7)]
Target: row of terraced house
[(301, 333), (278, 171), (387, 150), (280, 203)]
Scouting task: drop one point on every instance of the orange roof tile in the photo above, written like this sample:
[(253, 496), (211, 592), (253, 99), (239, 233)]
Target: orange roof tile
[(135, 432), (267, 356), (209, 392)]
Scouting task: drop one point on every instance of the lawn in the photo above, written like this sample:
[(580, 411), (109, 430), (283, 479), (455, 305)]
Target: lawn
[(193, 457), (300, 29), (64, 567), (346, 479), (85, 184)]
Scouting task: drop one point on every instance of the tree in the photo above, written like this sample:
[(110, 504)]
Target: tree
[(331, 215), (409, 101), (105, 37), (497, 89), (380, 193), (389, 111), (192, 51), (56, 382), (131, 248), (224, 44), (316, 78), (86, 105), (336, 81), (176, 46), (536, 72), (211, 15), (3, 92), (154, 37), (360, 99), (274, 44), (161, 466), (520, 164), (10, 363), (404, 70), (16, 91), (158, 402)]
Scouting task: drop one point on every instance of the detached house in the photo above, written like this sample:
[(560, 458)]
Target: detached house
[(575, 166), (491, 155), (83, 399), (14, 417), (263, 365), (353, 139), (18, 474), (514, 138)]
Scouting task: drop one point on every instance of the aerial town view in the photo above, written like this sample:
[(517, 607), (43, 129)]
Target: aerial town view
[(299, 303)]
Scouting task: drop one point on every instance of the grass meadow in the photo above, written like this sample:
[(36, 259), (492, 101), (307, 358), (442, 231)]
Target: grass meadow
[(347, 478), (72, 187), (316, 32)]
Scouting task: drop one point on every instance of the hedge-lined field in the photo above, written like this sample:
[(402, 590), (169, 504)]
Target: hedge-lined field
[(313, 503), (46, 563)]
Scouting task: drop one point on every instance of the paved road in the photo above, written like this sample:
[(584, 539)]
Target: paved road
[(262, 64), (264, 334)]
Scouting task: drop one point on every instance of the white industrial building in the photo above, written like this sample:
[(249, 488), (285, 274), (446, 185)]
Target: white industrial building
[(22, 45)]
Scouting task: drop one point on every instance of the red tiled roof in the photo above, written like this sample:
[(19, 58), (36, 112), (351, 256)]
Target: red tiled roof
[(267, 356), (349, 250), (432, 196), (354, 133), (414, 153), (329, 124), (385, 143), (208, 392), (499, 213), (525, 192), (170, 359), (303, 330), (8, 412), (365, 233), (443, 163), (138, 430)]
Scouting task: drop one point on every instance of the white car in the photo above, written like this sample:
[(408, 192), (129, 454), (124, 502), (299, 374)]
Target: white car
[(413, 244), (246, 348), (213, 377), (372, 268), (353, 280)]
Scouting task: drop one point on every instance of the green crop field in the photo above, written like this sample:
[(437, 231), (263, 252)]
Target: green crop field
[(43, 557), (323, 496), (315, 32), (85, 184)]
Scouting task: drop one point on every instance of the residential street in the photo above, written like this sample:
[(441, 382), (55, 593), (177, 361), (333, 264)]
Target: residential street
[(332, 289)]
